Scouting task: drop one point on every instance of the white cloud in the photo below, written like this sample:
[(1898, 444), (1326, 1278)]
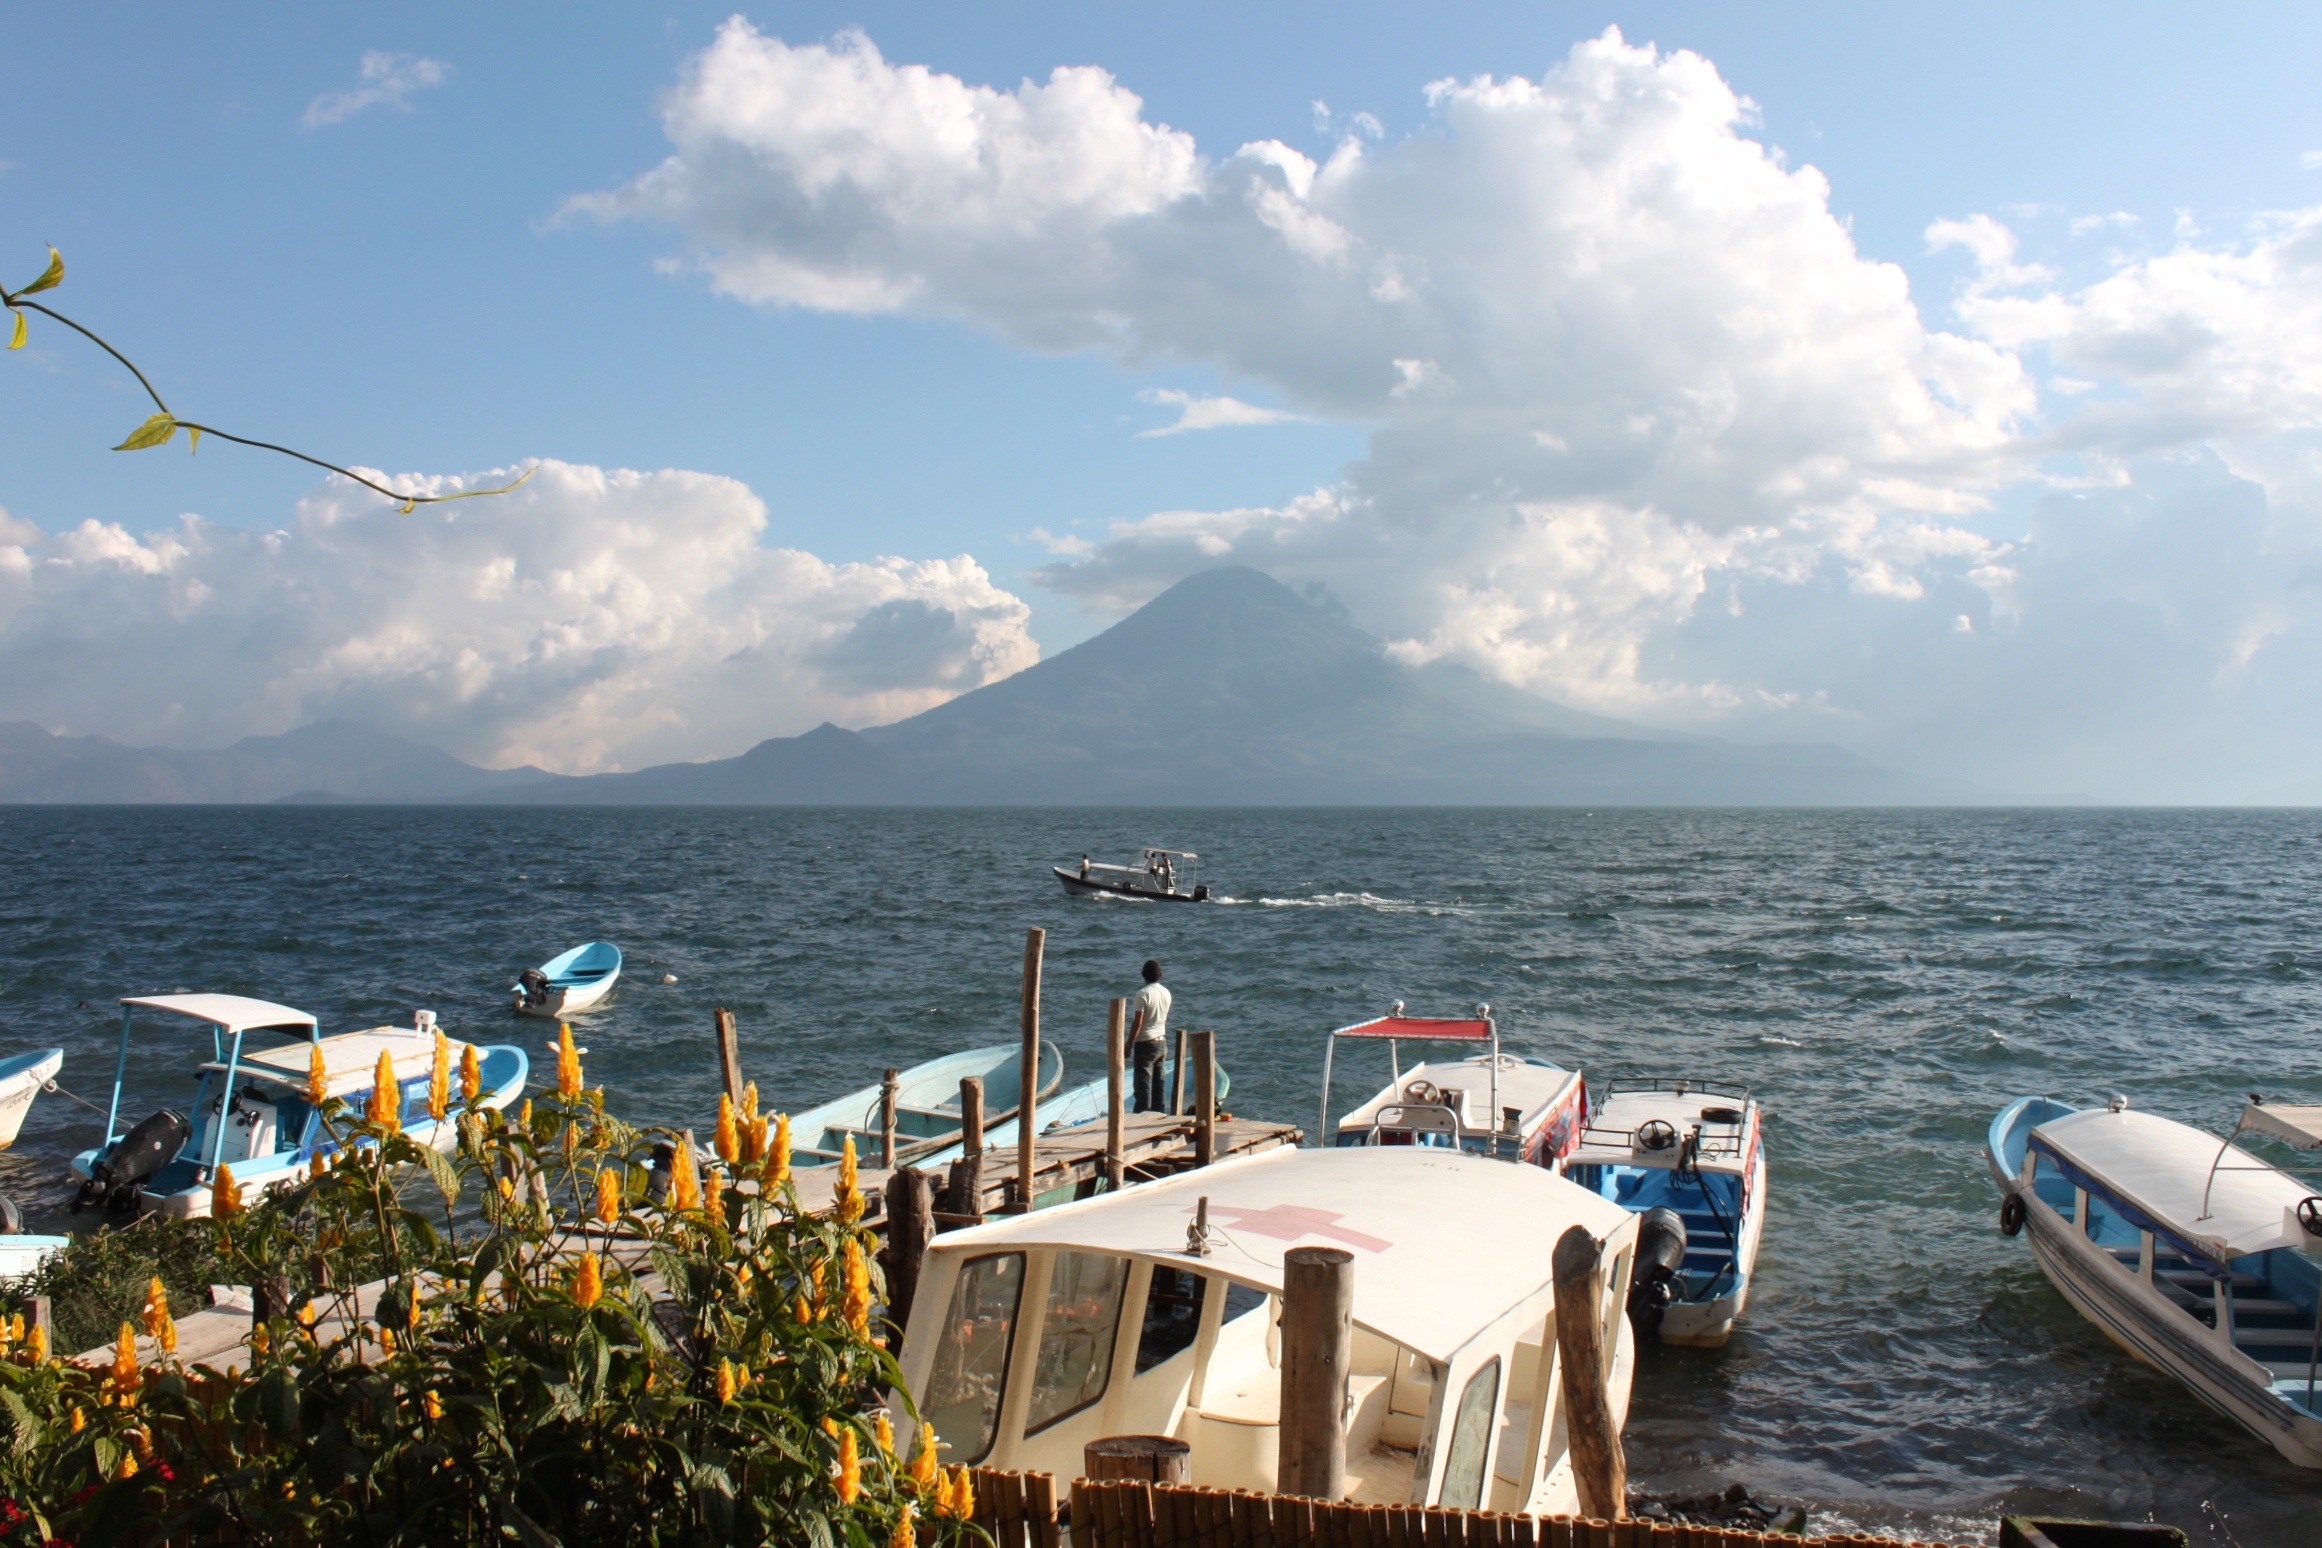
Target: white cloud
[(2311, 161), (1650, 433), (388, 81), (593, 619), (1195, 413)]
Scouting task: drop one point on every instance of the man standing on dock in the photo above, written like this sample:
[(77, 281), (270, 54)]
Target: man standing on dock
[(1149, 1042)]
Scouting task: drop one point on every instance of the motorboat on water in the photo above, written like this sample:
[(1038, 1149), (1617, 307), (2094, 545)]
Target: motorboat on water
[(250, 1109), (1489, 1103), (2191, 1253), (1688, 1156), (21, 1079), (1032, 1335), (927, 1111), (567, 984), (1160, 876)]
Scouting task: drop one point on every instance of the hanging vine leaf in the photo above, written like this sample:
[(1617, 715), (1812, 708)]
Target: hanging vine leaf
[(155, 431), (16, 340), (50, 277)]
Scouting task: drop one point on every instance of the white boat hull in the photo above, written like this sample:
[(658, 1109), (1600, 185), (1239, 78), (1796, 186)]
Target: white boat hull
[(17, 1092), (565, 1002), (2139, 1319), (24, 1254)]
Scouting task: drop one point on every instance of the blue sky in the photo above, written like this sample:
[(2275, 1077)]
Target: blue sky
[(399, 288)]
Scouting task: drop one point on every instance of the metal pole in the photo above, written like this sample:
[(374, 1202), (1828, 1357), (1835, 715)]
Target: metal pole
[(120, 1071), (1322, 1123), (226, 1102)]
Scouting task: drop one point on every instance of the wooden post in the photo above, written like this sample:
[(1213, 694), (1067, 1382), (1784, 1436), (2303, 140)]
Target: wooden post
[(1028, 1098), (1177, 1097), (42, 1320), (1598, 1467), (887, 1120), (1153, 1458), (729, 1056), (967, 1186), (1116, 1030), (1204, 1098), (910, 1208), (1317, 1321)]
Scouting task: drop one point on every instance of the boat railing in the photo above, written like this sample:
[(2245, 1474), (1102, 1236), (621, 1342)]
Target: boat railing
[(1717, 1142), (1672, 1087)]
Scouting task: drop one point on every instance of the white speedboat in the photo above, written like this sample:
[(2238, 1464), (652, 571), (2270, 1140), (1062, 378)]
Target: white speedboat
[(1489, 1103), (1032, 1335), (2190, 1253), (250, 1107), (1687, 1155), (568, 983), (1160, 876), (21, 1079)]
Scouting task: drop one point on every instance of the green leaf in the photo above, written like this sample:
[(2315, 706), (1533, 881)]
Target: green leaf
[(193, 439), (16, 339), (154, 432), (439, 1167), (50, 277)]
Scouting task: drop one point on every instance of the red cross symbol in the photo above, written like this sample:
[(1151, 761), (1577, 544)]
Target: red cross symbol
[(1288, 1222)]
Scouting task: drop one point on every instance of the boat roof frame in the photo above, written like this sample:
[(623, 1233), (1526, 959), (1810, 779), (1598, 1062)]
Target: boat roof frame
[(223, 1014), (1389, 1027)]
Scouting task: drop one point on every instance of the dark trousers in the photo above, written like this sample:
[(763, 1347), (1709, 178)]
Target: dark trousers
[(1152, 1075)]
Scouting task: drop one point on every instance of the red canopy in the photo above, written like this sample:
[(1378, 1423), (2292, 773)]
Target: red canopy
[(1418, 1026)]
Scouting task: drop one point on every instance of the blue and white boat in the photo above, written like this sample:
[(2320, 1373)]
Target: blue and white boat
[(570, 983), (21, 1079), (1694, 1150), (1089, 1102), (927, 1111), (250, 1110), (2189, 1252)]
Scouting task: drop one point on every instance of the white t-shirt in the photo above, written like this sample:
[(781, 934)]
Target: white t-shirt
[(1153, 1001)]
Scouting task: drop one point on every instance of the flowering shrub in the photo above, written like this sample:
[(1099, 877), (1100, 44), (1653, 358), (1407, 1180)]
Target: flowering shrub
[(513, 1381)]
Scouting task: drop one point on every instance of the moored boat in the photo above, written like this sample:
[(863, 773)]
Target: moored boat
[(250, 1108), (927, 1113), (1689, 1156), (2192, 1254), (1160, 876), (569, 983), (21, 1079), (1032, 1335), (1088, 1102), (1489, 1103)]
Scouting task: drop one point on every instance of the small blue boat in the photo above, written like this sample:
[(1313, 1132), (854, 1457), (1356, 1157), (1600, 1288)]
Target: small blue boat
[(573, 982), (927, 1115)]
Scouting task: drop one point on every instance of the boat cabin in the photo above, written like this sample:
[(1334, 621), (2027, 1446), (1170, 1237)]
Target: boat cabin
[(1488, 1103), (1033, 1335)]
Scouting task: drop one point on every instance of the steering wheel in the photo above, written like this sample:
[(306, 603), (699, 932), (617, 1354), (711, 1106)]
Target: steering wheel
[(2310, 1215), (1422, 1091), (1655, 1134)]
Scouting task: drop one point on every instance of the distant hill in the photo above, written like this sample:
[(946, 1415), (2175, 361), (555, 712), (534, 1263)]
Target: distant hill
[(1228, 688)]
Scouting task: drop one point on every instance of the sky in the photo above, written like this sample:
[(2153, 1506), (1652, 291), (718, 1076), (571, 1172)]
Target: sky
[(1945, 383)]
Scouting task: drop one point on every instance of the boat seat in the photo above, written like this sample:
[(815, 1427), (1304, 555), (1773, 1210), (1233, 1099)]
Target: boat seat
[(2264, 1306), (2194, 1279), (948, 1114)]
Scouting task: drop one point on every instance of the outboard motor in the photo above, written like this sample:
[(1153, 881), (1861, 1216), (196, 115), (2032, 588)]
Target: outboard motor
[(11, 1218), (663, 1177), (534, 983), (1657, 1279), (136, 1157)]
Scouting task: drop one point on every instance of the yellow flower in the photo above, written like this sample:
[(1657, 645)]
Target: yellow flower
[(127, 1375), (883, 1431), (729, 1139), (800, 1311), (684, 1180), (411, 1308), (924, 1469), (726, 1384), (158, 1324), (850, 1197), (963, 1493), (507, 1187), (779, 1153), (568, 1069), (471, 1075), (318, 1080), (906, 1533), (713, 1195), (36, 1344), (752, 1139), (608, 1196), (386, 1105), (260, 1339), (588, 1281), (750, 1100), (433, 1404), (942, 1500), (79, 1420), (386, 1341), (225, 1197), (830, 1426), (855, 1303), (524, 1116), (126, 1467), (15, 1330), (850, 1474), (439, 1078), (306, 1317)]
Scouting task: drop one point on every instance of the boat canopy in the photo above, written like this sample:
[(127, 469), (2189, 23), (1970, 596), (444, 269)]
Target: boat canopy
[(2300, 1126), (350, 1059), (231, 1012), (1420, 1279), (1421, 1027), (2155, 1170), (1393, 1027)]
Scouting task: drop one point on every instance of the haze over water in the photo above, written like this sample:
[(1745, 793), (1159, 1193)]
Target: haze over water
[(1884, 980)]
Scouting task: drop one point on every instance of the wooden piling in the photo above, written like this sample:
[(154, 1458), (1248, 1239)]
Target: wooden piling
[(1153, 1458), (967, 1173), (1204, 1097), (1317, 1313), (1177, 1093), (887, 1120), (1116, 1032), (1028, 1100), (729, 1055), (42, 1319), (1598, 1466), (910, 1208)]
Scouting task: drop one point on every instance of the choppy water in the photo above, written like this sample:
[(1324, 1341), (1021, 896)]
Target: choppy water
[(1885, 980)]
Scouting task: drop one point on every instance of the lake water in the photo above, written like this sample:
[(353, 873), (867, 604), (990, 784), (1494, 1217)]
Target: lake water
[(1884, 980)]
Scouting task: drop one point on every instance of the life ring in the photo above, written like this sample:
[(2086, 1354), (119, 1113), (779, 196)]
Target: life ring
[(2012, 1214)]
